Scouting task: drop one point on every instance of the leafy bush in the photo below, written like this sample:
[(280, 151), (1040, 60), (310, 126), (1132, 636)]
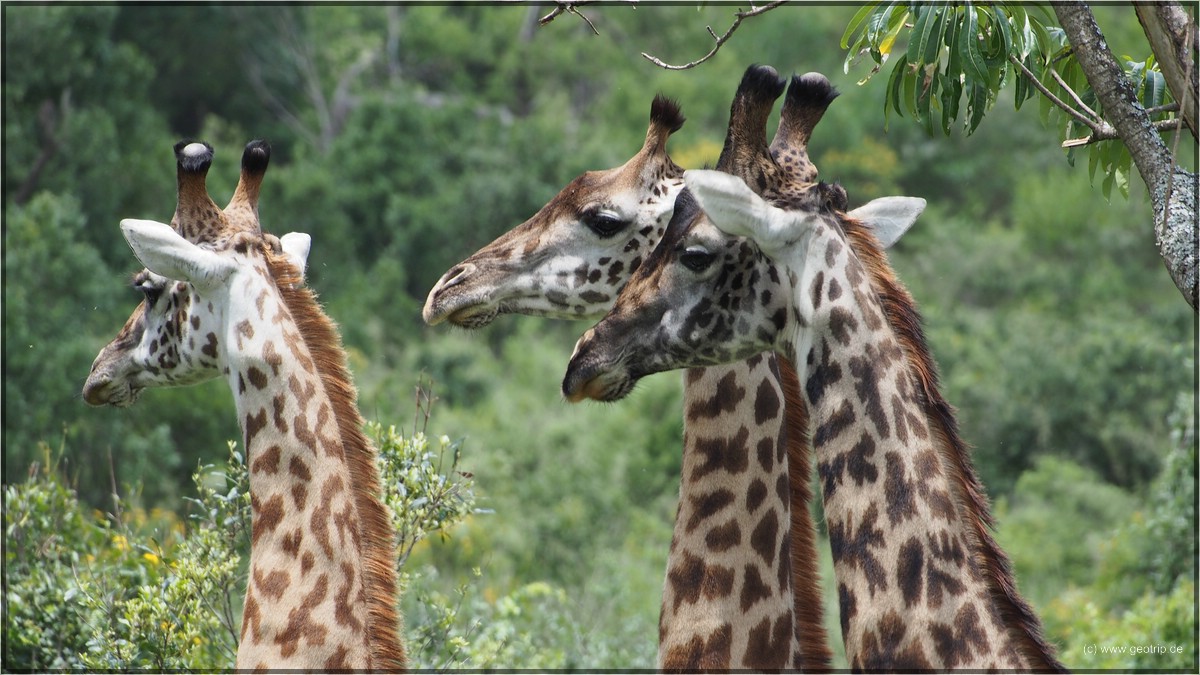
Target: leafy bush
[(132, 590), (1158, 633)]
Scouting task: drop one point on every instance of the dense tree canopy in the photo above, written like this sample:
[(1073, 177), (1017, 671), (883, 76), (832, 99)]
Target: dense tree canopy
[(406, 136)]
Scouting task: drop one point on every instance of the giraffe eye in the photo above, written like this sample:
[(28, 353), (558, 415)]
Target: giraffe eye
[(603, 223), (696, 258)]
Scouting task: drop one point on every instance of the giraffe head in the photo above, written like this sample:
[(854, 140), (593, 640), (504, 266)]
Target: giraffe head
[(574, 255), (570, 259), (722, 283), (175, 336)]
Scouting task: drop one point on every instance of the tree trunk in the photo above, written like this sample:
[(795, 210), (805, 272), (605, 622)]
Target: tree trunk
[(1172, 36), (1173, 190)]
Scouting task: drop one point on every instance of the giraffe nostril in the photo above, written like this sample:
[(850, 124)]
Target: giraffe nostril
[(457, 275)]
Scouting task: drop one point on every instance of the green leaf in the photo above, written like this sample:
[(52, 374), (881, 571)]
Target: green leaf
[(878, 22), (951, 93), (856, 21), (926, 34), (976, 105), (896, 25), (926, 92), (910, 92), (1093, 164), (973, 62), (1023, 37), (1005, 33), (893, 89), (1154, 90)]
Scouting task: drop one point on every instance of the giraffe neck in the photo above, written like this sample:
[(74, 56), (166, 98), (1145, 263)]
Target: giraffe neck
[(322, 589), (730, 598), (921, 584)]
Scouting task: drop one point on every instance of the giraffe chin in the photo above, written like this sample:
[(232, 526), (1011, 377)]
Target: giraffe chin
[(604, 387), (476, 316)]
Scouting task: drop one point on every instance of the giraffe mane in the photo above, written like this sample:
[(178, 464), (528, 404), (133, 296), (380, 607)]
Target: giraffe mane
[(814, 642), (902, 315), (321, 337)]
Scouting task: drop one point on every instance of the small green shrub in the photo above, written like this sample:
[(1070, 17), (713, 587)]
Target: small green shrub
[(136, 590)]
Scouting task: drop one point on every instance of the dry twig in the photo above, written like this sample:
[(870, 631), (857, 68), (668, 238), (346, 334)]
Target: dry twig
[(719, 40)]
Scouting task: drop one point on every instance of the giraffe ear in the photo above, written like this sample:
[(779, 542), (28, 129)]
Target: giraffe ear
[(296, 246), (889, 217), (736, 210), (163, 251)]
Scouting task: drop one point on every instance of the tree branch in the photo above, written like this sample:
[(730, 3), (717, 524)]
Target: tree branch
[(49, 121), (1108, 133), (569, 8), (1058, 79), (1093, 122), (1173, 190), (720, 40), (1172, 35)]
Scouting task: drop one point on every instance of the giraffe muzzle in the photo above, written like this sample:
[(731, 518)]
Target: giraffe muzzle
[(451, 300), (593, 376), (99, 391)]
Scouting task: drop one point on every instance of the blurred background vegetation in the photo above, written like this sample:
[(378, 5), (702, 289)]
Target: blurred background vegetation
[(405, 137)]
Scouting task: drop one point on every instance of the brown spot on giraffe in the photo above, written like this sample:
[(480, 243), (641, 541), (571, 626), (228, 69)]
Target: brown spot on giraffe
[(267, 514), (722, 453), (300, 624), (692, 579), (272, 584), (701, 653), (268, 461)]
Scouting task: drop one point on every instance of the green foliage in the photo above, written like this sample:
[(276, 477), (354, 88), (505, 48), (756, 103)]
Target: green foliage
[(130, 590), (959, 57), (1057, 522), (424, 497), (1120, 598), (1034, 368), (47, 535), (1157, 634), (181, 615), (135, 590)]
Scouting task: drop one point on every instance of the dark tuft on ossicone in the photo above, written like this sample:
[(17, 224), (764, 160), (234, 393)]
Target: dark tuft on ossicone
[(811, 89), (193, 156), (256, 156), (665, 112), (761, 82)]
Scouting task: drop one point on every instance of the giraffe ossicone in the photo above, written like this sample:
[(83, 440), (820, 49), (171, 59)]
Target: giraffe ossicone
[(223, 298)]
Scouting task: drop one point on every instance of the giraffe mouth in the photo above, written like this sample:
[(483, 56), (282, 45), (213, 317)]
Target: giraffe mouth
[(604, 387), (99, 392)]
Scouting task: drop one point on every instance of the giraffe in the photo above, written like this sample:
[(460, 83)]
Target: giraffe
[(568, 261), (223, 298), (921, 582)]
